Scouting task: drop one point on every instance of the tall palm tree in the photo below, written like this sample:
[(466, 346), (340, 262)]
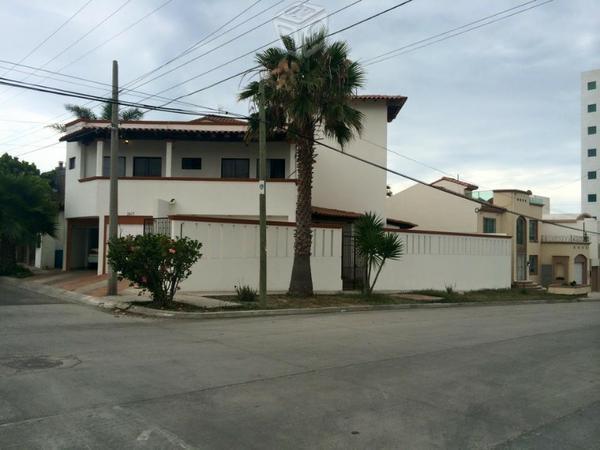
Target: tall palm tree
[(83, 112), (308, 90)]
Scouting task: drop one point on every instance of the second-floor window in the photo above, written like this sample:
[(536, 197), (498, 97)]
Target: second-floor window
[(533, 231), (147, 166), (71, 163), (592, 175), (235, 168), (592, 108), (489, 225), (106, 166), (191, 163), (275, 168)]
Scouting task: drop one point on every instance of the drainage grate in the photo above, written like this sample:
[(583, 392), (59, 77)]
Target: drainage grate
[(38, 362)]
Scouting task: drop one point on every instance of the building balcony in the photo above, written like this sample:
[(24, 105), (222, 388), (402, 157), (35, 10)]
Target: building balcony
[(162, 196), (565, 239)]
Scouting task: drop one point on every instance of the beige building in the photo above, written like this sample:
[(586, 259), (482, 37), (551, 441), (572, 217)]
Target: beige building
[(456, 206)]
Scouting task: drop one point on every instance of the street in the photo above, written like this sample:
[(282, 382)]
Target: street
[(502, 377)]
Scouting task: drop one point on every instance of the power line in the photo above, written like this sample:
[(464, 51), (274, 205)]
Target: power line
[(47, 38), (447, 34), (77, 41)]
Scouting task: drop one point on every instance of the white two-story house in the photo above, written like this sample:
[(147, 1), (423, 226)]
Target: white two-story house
[(204, 167)]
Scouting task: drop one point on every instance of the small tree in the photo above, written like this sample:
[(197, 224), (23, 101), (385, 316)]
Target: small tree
[(154, 262), (375, 246)]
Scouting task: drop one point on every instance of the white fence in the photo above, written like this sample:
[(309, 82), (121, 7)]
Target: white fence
[(436, 261), (230, 255)]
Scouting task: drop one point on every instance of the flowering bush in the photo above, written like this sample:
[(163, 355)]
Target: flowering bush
[(154, 262)]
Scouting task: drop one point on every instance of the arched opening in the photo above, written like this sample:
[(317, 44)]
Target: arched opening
[(580, 275), (521, 254)]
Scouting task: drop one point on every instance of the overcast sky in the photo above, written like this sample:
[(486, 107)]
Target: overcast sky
[(499, 105)]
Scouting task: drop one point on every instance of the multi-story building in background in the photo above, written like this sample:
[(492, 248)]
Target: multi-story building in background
[(590, 142)]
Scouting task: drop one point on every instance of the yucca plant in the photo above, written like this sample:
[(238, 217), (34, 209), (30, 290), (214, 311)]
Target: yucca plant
[(376, 246)]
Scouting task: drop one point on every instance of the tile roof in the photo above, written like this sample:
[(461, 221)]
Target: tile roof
[(468, 186)]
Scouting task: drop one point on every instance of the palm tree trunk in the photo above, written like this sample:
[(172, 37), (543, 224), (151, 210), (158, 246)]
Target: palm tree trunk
[(301, 280)]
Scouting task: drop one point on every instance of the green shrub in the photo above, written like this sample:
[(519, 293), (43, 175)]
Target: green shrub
[(154, 262), (246, 294)]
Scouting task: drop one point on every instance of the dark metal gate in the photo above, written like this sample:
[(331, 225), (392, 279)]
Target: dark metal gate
[(353, 268), (157, 225)]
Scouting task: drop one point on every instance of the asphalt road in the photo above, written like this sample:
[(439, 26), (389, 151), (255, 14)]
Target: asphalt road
[(73, 377)]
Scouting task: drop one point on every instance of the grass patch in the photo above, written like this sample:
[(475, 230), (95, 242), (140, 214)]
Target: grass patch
[(493, 295)]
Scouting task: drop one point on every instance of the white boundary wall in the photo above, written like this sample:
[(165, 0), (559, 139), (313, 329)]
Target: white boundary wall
[(436, 261), (230, 256)]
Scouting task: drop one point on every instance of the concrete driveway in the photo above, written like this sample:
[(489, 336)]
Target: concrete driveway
[(477, 377)]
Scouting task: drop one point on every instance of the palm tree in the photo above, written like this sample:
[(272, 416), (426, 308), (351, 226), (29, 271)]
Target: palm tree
[(83, 112), (308, 90)]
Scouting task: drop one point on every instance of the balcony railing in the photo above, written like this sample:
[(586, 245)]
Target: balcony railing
[(572, 239)]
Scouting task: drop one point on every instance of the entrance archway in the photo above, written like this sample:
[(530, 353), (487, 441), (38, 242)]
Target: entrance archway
[(580, 274)]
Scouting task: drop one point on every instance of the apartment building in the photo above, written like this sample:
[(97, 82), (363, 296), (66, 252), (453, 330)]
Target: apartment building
[(590, 142)]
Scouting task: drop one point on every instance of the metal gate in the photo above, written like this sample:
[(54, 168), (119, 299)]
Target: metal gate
[(353, 267), (546, 275), (157, 225)]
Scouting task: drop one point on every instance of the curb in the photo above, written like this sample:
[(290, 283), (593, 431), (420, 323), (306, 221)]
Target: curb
[(148, 312), (110, 305), (63, 294)]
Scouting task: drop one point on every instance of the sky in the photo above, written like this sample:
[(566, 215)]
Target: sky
[(498, 106)]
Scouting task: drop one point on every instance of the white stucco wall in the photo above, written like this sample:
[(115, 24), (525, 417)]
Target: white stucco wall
[(437, 261), (347, 184), (230, 256), (433, 210), (590, 142)]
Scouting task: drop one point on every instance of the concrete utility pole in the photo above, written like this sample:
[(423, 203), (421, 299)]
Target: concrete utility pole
[(262, 183), (114, 167)]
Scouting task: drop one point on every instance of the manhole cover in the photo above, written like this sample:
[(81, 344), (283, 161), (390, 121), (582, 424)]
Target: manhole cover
[(38, 362)]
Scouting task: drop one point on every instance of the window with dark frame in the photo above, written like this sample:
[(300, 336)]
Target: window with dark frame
[(592, 130), (106, 166), (275, 168), (147, 166), (591, 152), (533, 231), (591, 198), (489, 225), (71, 163), (191, 163), (592, 108), (235, 168), (533, 264), (591, 85), (591, 175)]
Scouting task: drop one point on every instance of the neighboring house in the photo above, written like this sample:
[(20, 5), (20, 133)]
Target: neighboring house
[(590, 142), (199, 179), (510, 212)]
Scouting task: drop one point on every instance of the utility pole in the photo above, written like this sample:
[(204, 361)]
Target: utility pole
[(262, 184), (114, 186)]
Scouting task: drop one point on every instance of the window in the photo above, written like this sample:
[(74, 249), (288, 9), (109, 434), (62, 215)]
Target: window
[(521, 224), (71, 163), (275, 168), (533, 231), (592, 175), (591, 198), (489, 225), (592, 107), (235, 168), (147, 167), (106, 166), (591, 85), (191, 163), (591, 152), (533, 265), (591, 130)]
